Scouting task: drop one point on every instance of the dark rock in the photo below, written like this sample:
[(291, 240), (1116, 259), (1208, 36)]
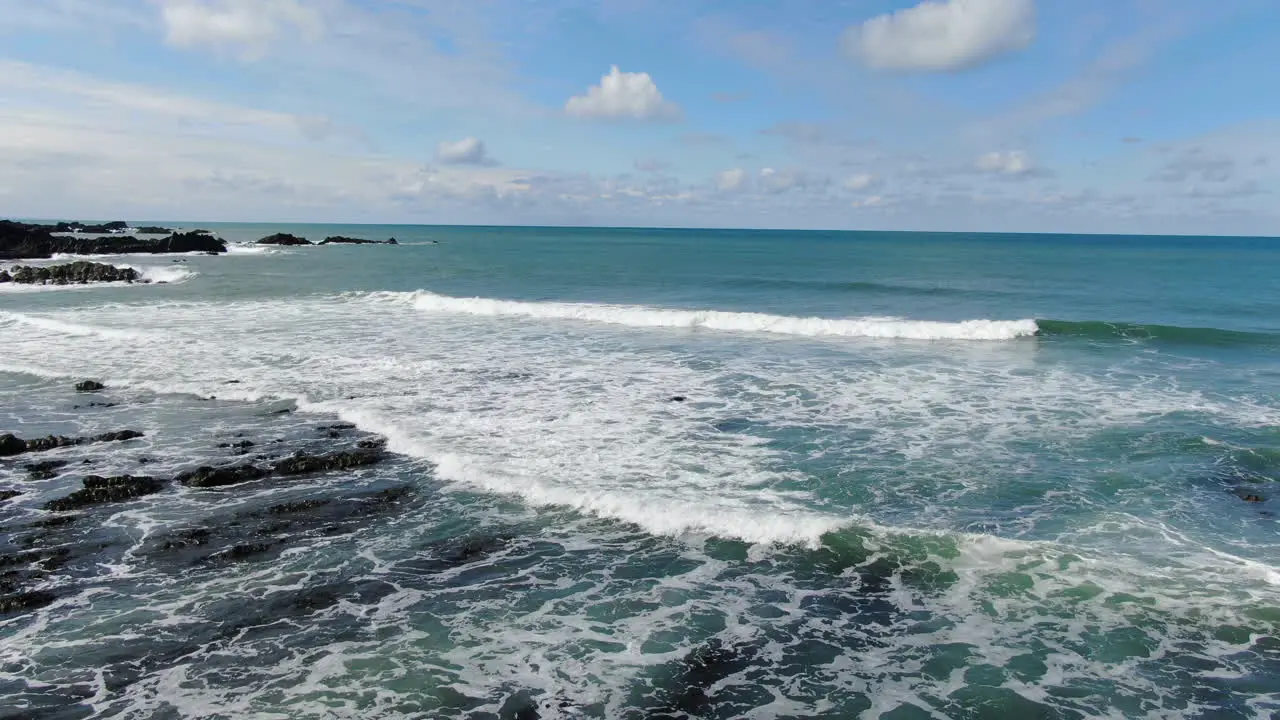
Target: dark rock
[(89, 386), (1251, 498), (45, 470), (5, 277), (210, 477), (303, 463), (23, 240), (153, 230), (11, 445), (283, 239), (198, 537), (297, 507), (99, 490), (25, 602), (9, 494), (74, 226), (342, 426), (55, 521), (679, 398), (118, 436), (80, 272), (344, 240), (240, 553), (231, 382), (374, 444)]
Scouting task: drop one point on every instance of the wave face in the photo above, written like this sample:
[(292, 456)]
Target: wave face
[(1167, 334), (652, 317)]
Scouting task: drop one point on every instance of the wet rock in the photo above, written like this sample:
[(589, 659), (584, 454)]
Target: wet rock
[(24, 240), (89, 386), (340, 426), (240, 553), (703, 668), (374, 444), (198, 537), (303, 463), (25, 602), (678, 398), (55, 522), (11, 445), (1252, 498), (344, 240), (283, 239), (214, 477), (45, 470), (152, 230), (77, 273), (297, 507), (99, 490), (9, 494), (118, 436)]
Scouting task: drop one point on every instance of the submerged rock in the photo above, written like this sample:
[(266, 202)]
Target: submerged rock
[(25, 602), (45, 470), (99, 490), (9, 494), (284, 239), (89, 386), (303, 463)]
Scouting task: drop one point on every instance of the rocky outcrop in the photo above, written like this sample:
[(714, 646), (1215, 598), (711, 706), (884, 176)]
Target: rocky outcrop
[(211, 477), (101, 490), (152, 230), (284, 239), (76, 273), (74, 227), (344, 240), (46, 470), (27, 241), (11, 445), (305, 464), (89, 386)]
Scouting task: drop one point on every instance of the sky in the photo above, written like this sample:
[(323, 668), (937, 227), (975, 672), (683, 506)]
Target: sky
[(1101, 116)]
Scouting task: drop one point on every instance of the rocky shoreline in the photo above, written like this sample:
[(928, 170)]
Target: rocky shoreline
[(287, 239), (50, 550), (27, 241)]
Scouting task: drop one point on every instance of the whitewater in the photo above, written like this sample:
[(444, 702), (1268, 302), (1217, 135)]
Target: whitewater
[(646, 484)]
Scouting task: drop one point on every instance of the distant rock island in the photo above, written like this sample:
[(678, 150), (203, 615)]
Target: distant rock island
[(287, 239), (32, 241)]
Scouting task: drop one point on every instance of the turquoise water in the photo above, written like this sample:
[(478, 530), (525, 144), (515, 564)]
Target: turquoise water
[(911, 475)]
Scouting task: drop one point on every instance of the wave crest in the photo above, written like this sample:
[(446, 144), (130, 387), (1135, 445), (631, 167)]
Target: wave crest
[(654, 317)]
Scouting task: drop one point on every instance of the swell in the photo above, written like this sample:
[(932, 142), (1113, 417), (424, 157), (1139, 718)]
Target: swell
[(1165, 334), (857, 286), (655, 317)]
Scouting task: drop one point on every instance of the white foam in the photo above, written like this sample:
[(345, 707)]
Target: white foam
[(652, 317), (252, 249)]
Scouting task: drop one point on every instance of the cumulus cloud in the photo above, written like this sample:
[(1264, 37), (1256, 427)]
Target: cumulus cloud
[(943, 35), (781, 181), (1012, 163), (467, 151), (733, 179), (623, 95), (245, 26), (861, 181)]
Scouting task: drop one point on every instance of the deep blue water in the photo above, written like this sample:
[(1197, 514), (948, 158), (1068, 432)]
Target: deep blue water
[(960, 474)]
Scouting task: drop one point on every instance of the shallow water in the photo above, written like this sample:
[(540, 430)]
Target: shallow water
[(908, 476)]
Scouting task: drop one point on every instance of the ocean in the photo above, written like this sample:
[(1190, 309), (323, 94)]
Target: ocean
[(658, 474)]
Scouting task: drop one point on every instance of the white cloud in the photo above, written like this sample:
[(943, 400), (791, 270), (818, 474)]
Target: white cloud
[(732, 179), (467, 151), (870, 201), (623, 95), (1013, 162), (943, 35), (246, 26), (861, 181)]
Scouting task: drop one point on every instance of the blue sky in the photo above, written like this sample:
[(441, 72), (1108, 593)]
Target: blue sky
[(1021, 115)]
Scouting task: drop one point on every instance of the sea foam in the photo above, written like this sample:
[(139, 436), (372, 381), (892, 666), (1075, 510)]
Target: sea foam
[(653, 317)]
